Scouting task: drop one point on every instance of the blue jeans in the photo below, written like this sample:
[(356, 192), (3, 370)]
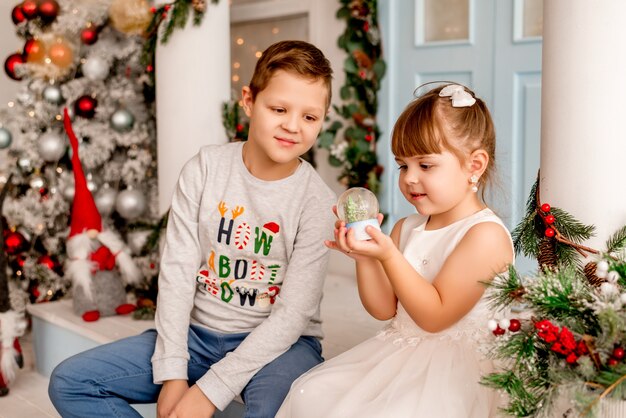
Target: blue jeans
[(103, 381)]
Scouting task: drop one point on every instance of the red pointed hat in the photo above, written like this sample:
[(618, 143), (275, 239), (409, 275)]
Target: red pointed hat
[(85, 213)]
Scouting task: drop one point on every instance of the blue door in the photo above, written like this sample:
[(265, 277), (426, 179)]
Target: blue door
[(493, 47)]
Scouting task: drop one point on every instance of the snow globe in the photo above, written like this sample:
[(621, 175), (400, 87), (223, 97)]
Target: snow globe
[(358, 208)]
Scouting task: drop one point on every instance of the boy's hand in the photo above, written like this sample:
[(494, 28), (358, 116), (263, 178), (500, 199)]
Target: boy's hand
[(171, 392), (194, 404)]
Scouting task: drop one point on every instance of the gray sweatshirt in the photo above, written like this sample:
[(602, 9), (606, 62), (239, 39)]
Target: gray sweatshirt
[(240, 255)]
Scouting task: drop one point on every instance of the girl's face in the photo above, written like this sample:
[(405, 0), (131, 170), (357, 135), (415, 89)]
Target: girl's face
[(437, 185)]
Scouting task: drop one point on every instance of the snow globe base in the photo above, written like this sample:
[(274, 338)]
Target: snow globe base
[(359, 228)]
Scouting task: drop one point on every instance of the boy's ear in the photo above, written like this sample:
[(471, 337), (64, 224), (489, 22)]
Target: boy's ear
[(247, 100), (478, 162)]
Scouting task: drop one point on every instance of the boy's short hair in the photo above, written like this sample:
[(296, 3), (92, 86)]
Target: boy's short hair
[(296, 57)]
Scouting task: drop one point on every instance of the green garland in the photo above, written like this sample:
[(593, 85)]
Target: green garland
[(175, 15), (364, 68), (355, 152), (570, 337)]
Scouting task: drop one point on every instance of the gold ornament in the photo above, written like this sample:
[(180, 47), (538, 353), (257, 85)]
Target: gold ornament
[(60, 53), (130, 16)]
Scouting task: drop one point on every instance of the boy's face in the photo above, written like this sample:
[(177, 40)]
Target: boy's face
[(285, 118)]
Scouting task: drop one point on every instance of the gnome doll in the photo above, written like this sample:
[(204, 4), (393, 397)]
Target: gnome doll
[(99, 263), (12, 323)]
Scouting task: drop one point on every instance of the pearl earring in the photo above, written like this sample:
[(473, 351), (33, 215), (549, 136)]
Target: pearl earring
[(474, 180)]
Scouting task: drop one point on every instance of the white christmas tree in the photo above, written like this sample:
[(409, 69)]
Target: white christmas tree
[(83, 55)]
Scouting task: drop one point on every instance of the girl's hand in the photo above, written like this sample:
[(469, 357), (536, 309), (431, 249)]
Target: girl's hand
[(347, 244), (194, 404)]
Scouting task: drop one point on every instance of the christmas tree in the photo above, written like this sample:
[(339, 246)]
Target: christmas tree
[(565, 349), (84, 56)]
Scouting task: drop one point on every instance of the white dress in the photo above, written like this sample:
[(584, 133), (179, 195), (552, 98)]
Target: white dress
[(405, 371)]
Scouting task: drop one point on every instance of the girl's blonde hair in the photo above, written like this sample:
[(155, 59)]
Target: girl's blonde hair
[(429, 125)]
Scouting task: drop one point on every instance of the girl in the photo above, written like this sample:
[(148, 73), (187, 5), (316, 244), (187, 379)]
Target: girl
[(427, 276)]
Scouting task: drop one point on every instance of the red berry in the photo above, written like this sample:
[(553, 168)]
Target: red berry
[(167, 7), (550, 232), (515, 325), (153, 9), (611, 362), (369, 138), (545, 207), (149, 68), (550, 219), (618, 353), (498, 331)]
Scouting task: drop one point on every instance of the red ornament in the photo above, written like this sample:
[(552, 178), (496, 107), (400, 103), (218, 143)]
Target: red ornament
[(46, 260), (618, 353), (85, 106), (10, 63), (15, 243), (48, 10), (18, 15), (369, 138), (239, 127), (515, 325), (149, 68), (550, 219), (545, 208), (550, 232), (30, 9), (89, 35), (498, 331)]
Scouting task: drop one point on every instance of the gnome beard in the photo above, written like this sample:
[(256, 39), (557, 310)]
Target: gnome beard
[(98, 261), (99, 276)]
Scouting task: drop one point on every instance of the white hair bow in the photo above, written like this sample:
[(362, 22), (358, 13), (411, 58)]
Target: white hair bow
[(460, 97)]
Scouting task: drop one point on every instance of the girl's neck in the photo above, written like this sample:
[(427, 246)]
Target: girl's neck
[(468, 207)]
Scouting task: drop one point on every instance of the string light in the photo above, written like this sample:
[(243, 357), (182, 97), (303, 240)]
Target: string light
[(236, 65), (235, 78), (240, 41), (258, 54)]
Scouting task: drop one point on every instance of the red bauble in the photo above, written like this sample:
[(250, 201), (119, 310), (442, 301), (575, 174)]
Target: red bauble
[(545, 208), (48, 261), (618, 353), (89, 35), (18, 15), (498, 331), (550, 232), (10, 63), (85, 106), (48, 10), (15, 243), (550, 219), (515, 325), (30, 9)]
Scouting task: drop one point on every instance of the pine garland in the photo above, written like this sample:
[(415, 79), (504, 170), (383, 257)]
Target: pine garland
[(570, 339), (175, 15)]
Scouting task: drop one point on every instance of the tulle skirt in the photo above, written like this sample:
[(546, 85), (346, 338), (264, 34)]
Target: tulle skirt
[(389, 377)]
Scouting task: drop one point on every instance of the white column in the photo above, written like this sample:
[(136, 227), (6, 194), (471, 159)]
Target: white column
[(192, 83), (583, 139)]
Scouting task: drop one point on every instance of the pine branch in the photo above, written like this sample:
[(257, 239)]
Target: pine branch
[(505, 290), (617, 241)]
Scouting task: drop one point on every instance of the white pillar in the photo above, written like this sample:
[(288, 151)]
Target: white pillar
[(583, 140), (192, 83)]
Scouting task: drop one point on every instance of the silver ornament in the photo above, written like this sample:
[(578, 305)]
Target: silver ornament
[(91, 185), (51, 147), (95, 68), (122, 120), (130, 204), (25, 165), (25, 97), (68, 192), (36, 182), (52, 94), (137, 240), (105, 200), (5, 138)]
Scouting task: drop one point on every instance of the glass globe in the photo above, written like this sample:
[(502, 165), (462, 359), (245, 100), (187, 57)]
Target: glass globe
[(358, 208)]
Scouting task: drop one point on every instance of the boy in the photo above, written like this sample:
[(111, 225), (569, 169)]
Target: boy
[(242, 267)]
